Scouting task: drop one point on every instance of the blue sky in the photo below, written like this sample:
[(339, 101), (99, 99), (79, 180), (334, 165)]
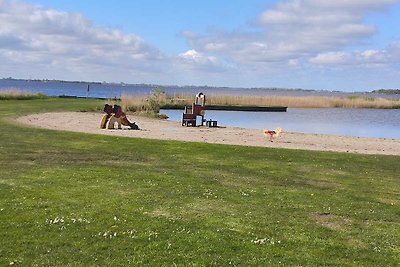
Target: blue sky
[(332, 45)]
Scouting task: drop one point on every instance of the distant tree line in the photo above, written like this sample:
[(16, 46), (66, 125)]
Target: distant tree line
[(387, 91)]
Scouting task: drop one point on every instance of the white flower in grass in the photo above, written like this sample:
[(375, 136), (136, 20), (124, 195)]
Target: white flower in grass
[(259, 241), (244, 194)]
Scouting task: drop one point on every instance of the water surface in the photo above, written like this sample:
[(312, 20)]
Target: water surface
[(378, 123), (111, 90)]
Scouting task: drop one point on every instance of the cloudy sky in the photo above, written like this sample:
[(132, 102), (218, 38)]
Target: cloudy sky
[(345, 45)]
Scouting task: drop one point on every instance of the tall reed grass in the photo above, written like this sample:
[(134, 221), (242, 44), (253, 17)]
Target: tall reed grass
[(132, 103), (17, 94), (305, 101), (145, 105)]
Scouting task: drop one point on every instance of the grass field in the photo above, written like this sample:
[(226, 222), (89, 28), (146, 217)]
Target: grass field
[(71, 199)]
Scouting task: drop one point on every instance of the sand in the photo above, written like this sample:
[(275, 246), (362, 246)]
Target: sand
[(167, 130)]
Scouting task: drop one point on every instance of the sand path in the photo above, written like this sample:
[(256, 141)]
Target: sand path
[(168, 130)]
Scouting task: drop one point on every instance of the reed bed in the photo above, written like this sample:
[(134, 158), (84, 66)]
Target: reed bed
[(144, 105), (305, 101), (131, 103), (17, 94)]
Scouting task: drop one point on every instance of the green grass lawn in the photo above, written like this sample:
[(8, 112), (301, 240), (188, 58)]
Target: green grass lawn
[(72, 199)]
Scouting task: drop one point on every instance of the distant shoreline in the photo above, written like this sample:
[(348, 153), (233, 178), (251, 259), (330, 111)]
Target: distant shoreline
[(377, 91)]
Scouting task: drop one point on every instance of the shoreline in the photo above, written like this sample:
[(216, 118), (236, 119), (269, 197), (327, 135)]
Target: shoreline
[(89, 122)]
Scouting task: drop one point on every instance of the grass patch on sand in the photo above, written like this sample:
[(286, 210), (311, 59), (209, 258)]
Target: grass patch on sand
[(72, 199)]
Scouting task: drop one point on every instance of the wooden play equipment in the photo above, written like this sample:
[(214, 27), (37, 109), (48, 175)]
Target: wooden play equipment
[(211, 123), (271, 133), (114, 115), (189, 116)]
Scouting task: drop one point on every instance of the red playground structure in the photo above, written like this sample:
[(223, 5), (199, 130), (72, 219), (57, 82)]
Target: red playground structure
[(189, 116)]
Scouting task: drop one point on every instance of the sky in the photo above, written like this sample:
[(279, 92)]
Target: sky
[(343, 45)]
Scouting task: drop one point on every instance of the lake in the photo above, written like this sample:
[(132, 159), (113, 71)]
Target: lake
[(114, 90), (377, 123)]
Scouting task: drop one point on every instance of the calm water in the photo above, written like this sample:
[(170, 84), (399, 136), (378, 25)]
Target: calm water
[(377, 123), (106, 90)]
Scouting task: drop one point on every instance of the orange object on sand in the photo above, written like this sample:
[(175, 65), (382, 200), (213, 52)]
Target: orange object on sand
[(271, 133)]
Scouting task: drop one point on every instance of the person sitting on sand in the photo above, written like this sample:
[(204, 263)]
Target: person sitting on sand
[(116, 115), (119, 114)]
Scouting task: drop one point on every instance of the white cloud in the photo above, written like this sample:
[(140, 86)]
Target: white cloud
[(46, 43), (68, 42), (353, 4), (295, 29), (293, 39), (394, 51), (294, 63), (374, 56), (331, 58), (367, 58), (194, 60), (191, 55)]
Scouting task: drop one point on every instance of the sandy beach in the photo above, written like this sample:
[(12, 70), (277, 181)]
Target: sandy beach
[(167, 130)]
